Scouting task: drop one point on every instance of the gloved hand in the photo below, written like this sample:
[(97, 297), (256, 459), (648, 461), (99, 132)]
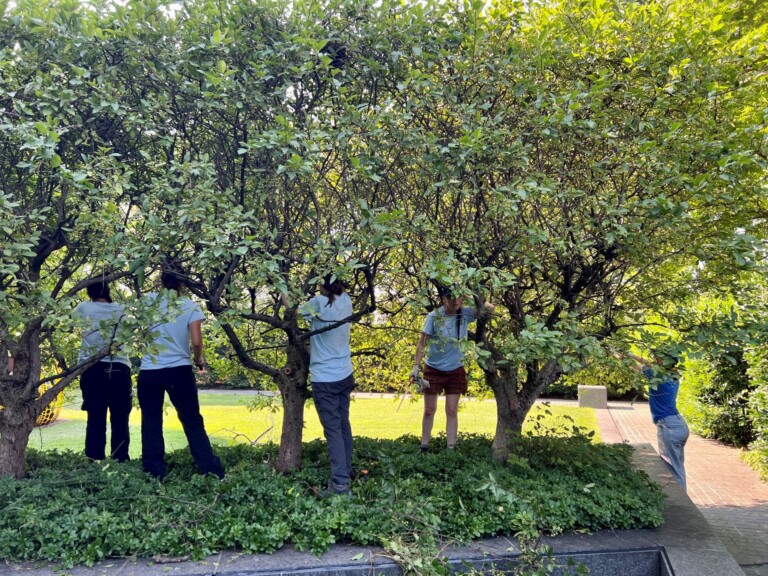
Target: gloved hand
[(415, 378)]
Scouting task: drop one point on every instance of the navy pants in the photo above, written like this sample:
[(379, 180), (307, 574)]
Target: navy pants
[(106, 386), (332, 404), (179, 382)]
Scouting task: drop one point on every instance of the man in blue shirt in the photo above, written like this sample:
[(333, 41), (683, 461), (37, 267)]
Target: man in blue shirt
[(671, 429)]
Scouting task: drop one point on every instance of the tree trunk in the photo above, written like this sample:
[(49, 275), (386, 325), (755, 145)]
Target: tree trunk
[(15, 427), (513, 404), (289, 454), (509, 427), (292, 381), (510, 415), (20, 402)]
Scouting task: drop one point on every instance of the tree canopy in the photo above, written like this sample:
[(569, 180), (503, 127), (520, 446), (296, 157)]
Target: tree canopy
[(587, 166)]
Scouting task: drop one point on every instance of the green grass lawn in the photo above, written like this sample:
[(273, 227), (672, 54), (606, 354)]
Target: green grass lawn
[(228, 420)]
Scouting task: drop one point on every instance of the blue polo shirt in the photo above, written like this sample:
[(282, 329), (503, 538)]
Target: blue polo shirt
[(444, 351), (662, 398)]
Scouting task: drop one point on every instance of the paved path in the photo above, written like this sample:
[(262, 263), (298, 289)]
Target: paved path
[(730, 494)]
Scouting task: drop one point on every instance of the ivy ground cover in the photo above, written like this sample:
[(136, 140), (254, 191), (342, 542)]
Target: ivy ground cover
[(70, 510)]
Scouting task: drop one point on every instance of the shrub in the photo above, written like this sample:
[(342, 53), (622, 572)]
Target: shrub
[(757, 457), (74, 511), (619, 381), (696, 376), (717, 398)]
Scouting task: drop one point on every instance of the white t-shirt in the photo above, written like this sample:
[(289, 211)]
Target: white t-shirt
[(330, 357), (173, 337), (103, 318)]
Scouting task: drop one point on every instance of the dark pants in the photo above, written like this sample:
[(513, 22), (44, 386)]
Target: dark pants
[(107, 386), (332, 404), (179, 382)]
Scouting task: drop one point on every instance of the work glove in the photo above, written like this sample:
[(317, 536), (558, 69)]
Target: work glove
[(420, 383)]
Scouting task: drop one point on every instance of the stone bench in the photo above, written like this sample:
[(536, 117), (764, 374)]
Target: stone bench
[(593, 397)]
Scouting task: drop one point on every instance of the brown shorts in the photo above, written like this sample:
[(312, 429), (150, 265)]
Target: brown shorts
[(453, 382)]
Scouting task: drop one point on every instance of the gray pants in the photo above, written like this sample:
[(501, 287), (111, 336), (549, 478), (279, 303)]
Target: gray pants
[(672, 433), (332, 404)]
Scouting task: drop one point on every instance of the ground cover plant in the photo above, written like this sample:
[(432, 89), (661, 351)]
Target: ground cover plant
[(229, 418), (70, 510)]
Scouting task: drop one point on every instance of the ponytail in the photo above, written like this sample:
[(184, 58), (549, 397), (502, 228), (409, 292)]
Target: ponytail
[(333, 286)]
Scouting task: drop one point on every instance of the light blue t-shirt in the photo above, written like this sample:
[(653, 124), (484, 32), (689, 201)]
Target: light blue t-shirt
[(173, 337), (103, 318), (330, 358), (444, 352)]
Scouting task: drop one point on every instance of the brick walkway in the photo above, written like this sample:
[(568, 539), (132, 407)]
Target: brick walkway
[(729, 493)]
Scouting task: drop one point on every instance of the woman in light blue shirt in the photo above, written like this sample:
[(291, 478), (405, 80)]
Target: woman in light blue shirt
[(170, 370), (106, 385), (330, 370), (443, 329)]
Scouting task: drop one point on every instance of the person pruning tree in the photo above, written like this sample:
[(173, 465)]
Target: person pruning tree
[(663, 385), (443, 329)]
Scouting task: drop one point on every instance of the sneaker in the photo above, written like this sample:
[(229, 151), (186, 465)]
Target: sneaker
[(331, 493)]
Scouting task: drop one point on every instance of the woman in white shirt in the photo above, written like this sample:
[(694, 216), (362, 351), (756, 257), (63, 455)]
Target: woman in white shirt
[(106, 385)]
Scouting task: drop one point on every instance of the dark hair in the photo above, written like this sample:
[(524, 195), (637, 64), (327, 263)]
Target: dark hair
[(171, 280), (334, 286), (99, 290), (451, 292), (172, 276), (447, 291)]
